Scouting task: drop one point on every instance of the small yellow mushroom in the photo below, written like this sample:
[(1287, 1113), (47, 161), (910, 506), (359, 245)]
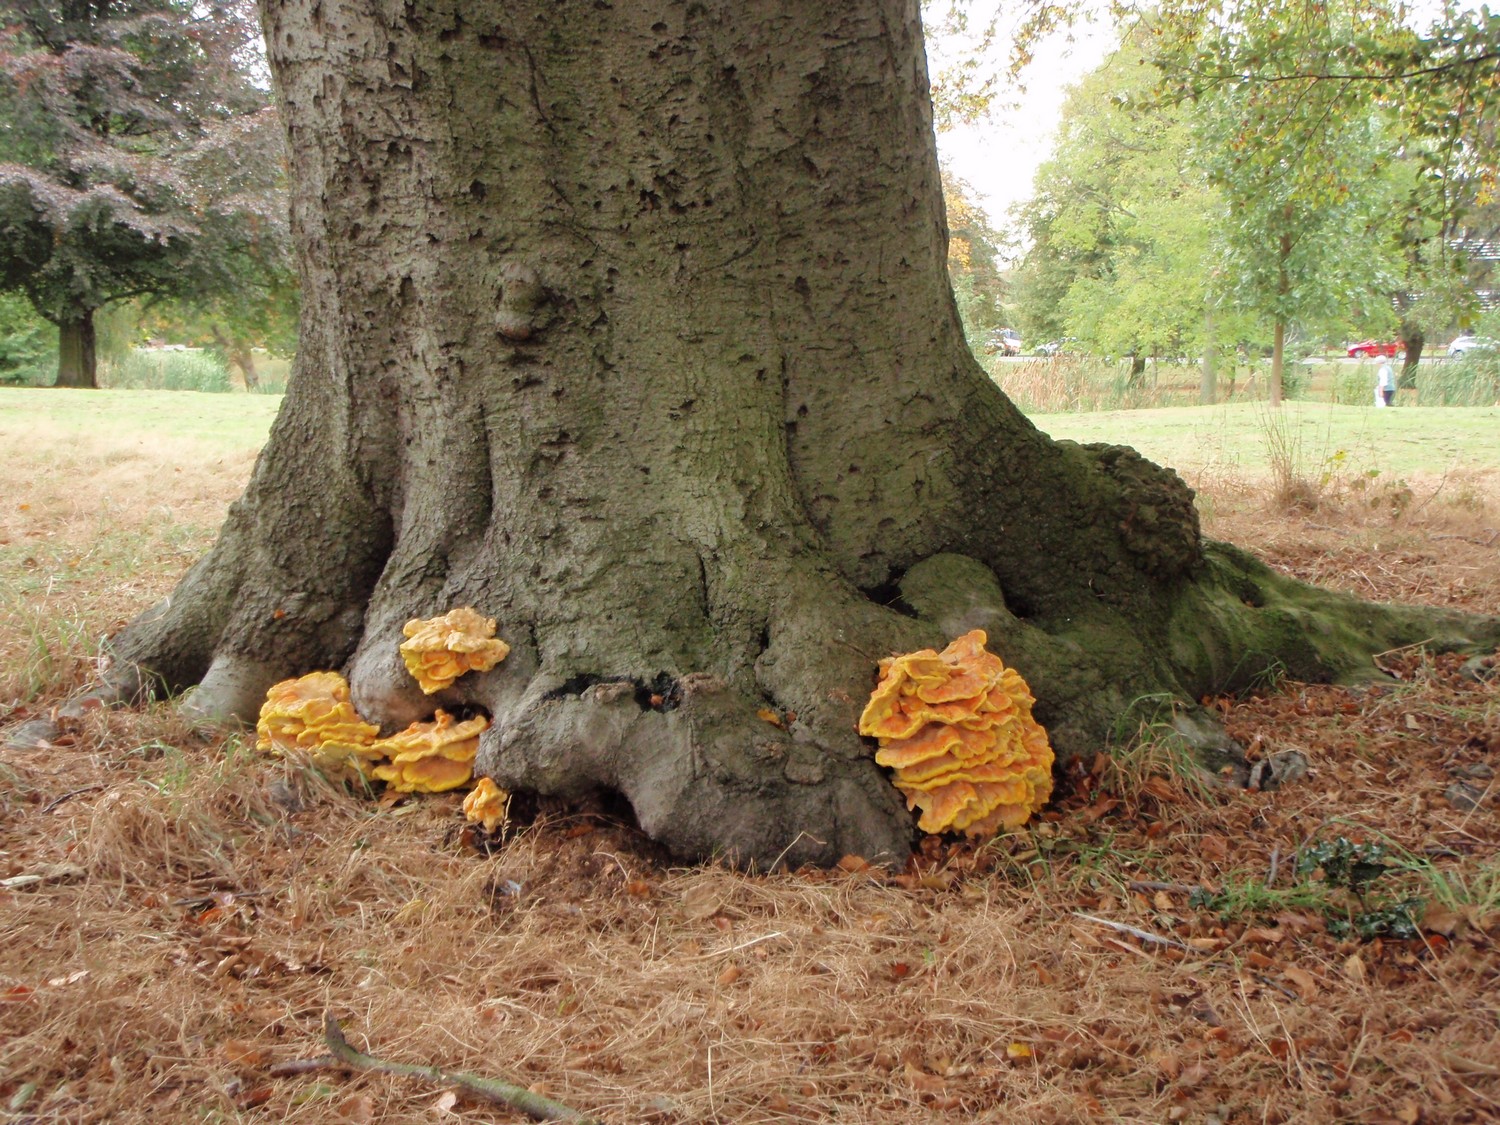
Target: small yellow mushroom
[(430, 757), (313, 716), (956, 727), (487, 804), (439, 650)]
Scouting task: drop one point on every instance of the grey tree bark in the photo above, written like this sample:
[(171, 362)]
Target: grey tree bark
[(628, 324)]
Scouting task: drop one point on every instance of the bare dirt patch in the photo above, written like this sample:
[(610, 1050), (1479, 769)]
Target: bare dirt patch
[(177, 914)]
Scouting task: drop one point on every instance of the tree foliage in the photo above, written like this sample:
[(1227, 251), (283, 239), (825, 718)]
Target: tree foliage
[(111, 111), (974, 265), (1311, 167), (1119, 223), (1349, 142)]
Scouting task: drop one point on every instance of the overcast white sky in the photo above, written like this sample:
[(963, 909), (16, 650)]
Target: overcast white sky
[(999, 157)]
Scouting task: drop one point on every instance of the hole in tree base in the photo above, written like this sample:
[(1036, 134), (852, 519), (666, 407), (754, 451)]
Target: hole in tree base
[(662, 692), (888, 594)]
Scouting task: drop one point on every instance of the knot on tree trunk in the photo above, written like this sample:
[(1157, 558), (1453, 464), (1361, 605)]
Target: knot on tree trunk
[(1157, 520)]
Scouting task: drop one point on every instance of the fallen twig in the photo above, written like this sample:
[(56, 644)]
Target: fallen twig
[(736, 948), (1494, 534), (68, 796), (1170, 888), (536, 1106), (1275, 866), (1281, 988), (292, 1067), (1144, 935)]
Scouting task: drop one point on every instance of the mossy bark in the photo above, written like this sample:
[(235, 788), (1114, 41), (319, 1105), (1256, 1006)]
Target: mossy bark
[(629, 326)]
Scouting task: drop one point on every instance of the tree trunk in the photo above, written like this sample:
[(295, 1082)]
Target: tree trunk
[(240, 354), (76, 363), (1278, 361), (1283, 291), (1413, 340), (1208, 384), (629, 326)]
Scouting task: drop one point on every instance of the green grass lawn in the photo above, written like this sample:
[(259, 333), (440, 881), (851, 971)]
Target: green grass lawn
[(1240, 438), (1193, 439), (226, 423)]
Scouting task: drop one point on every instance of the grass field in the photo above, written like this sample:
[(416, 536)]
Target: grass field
[(1243, 438), (178, 913)]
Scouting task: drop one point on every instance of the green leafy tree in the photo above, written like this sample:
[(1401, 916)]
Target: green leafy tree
[(1303, 105), (24, 345), (105, 105), (1118, 227)]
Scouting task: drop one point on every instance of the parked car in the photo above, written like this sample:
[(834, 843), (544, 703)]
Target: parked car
[(1005, 340), (1057, 347), (1467, 343), (1367, 349)]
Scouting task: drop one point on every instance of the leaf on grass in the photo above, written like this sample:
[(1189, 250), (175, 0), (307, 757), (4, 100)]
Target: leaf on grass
[(730, 974), (1439, 921), (237, 1052), (923, 1082), (702, 901), (445, 1103), (1305, 983), (1354, 968), (358, 1108), (253, 1097), (1260, 935)]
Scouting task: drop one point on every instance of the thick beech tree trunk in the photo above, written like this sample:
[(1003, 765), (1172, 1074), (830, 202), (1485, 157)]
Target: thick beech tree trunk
[(76, 363), (628, 325)]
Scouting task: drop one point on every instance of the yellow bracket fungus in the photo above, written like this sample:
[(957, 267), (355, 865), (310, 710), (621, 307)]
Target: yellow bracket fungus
[(430, 757), (313, 715), (956, 727), (439, 650), (487, 804)]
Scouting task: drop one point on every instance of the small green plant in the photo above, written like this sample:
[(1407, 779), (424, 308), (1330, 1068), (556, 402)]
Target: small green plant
[(1353, 867), (167, 371), (1345, 863), (1152, 750), (1337, 877)]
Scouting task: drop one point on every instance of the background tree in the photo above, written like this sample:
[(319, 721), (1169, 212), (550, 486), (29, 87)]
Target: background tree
[(1304, 106), (1119, 225), (23, 340), (101, 104), (630, 326), (250, 299), (974, 265)]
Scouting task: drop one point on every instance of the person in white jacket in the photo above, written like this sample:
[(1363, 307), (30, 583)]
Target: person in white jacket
[(1385, 382)]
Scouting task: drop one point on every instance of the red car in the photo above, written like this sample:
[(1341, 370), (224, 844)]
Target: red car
[(1367, 348)]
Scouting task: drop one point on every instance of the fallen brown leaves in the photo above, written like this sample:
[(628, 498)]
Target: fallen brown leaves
[(178, 914)]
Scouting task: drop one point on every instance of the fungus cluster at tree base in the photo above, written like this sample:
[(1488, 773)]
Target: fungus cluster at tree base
[(314, 716), (430, 757), (487, 804), (956, 726), (438, 650)]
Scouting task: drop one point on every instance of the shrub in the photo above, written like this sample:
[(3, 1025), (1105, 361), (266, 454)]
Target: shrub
[(141, 370), (28, 344)]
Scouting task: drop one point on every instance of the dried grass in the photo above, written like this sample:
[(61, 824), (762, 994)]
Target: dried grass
[(202, 907)]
